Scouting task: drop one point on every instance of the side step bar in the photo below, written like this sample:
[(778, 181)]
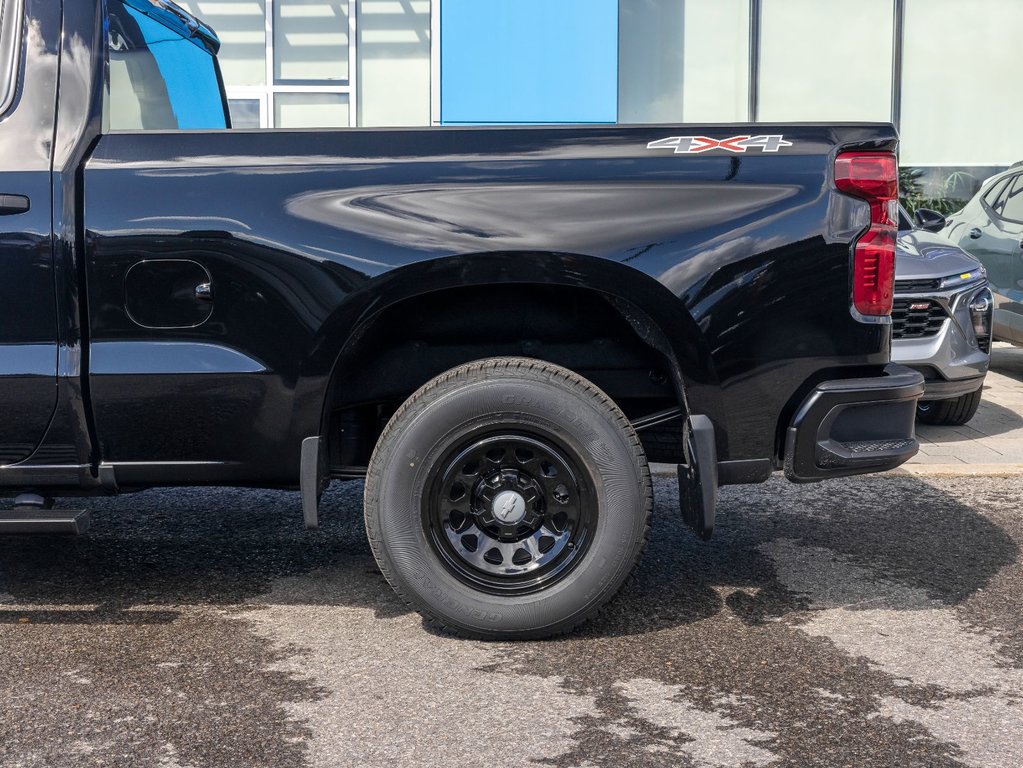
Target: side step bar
[(35, 520)]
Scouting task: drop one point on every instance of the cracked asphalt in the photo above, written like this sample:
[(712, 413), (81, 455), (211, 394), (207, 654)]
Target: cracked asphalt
[(866, 622)]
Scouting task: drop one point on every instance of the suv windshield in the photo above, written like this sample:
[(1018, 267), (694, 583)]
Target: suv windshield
[(159, 76)]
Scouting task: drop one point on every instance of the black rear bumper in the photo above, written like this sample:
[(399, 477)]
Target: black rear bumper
[(854, 426)]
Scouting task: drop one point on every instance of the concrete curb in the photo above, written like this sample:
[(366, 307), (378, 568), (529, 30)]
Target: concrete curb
[(960, 470), (913, 470)]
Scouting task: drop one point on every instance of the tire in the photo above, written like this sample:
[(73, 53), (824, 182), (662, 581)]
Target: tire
[(508, 499), (949, 413)]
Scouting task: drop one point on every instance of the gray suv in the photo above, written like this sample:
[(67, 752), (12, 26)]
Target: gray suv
[(941, 321), (990, 227)]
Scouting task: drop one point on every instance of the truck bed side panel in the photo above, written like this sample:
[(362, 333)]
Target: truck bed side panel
[(742, 259)]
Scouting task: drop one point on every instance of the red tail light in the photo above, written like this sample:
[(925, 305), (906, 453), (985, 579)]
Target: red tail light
[(874, 177)]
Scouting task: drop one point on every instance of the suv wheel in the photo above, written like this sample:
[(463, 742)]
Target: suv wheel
[(949, 413), (508, 498)]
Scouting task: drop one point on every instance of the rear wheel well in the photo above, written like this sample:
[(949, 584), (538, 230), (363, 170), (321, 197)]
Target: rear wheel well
[(409, 343)]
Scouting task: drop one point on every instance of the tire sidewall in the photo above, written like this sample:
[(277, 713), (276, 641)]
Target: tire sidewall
[(426, 432)]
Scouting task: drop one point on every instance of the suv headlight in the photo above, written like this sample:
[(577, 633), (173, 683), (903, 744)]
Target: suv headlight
[(981, 308)]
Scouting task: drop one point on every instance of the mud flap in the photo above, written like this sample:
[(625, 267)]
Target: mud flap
[(698, 477), (311, 482)]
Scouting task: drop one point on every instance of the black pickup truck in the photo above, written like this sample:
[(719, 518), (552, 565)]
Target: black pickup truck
[(496, 327)]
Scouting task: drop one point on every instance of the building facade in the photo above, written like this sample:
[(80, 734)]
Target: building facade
[(941, 70)]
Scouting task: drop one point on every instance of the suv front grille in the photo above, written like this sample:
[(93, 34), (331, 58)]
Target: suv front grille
[(916, 286), (916, 318)]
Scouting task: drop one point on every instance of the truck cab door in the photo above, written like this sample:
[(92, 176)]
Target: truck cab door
[(28, 322)]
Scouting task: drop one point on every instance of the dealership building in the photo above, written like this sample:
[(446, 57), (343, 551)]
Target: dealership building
[(941, 70)]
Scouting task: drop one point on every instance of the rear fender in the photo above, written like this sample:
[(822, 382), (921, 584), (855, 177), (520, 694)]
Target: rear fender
[(657, 316)]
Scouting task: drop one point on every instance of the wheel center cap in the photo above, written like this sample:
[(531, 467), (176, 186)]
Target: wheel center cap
[(509, 508)]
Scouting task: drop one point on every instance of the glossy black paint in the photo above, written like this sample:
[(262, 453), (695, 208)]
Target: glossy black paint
[(28, 331), (168, 294), (740, 261), (66, 45)]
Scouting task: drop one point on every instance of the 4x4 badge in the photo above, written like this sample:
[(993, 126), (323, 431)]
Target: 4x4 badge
[(690, 145)]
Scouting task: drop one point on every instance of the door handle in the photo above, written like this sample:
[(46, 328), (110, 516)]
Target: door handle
[(975, 233), (13, 204), (204, 292)]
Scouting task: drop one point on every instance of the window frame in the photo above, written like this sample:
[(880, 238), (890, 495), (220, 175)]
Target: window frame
[(275, 30), (10, 52), (1012, 190), (268, 90), (993, 196)]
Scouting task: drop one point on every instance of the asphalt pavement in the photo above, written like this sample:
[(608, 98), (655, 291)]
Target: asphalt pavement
[(873, 621)]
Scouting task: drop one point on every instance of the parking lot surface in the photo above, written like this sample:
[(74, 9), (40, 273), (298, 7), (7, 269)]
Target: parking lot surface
[(993, 439), (875, 621)]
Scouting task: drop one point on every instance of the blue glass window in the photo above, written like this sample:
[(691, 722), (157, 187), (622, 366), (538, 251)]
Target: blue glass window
[(158, 78)]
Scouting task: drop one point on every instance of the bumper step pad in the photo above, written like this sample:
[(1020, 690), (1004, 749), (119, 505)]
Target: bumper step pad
[(21, 520)]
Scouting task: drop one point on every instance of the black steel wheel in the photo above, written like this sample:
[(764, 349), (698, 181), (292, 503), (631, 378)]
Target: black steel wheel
[(510, 513), (508, 498)]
